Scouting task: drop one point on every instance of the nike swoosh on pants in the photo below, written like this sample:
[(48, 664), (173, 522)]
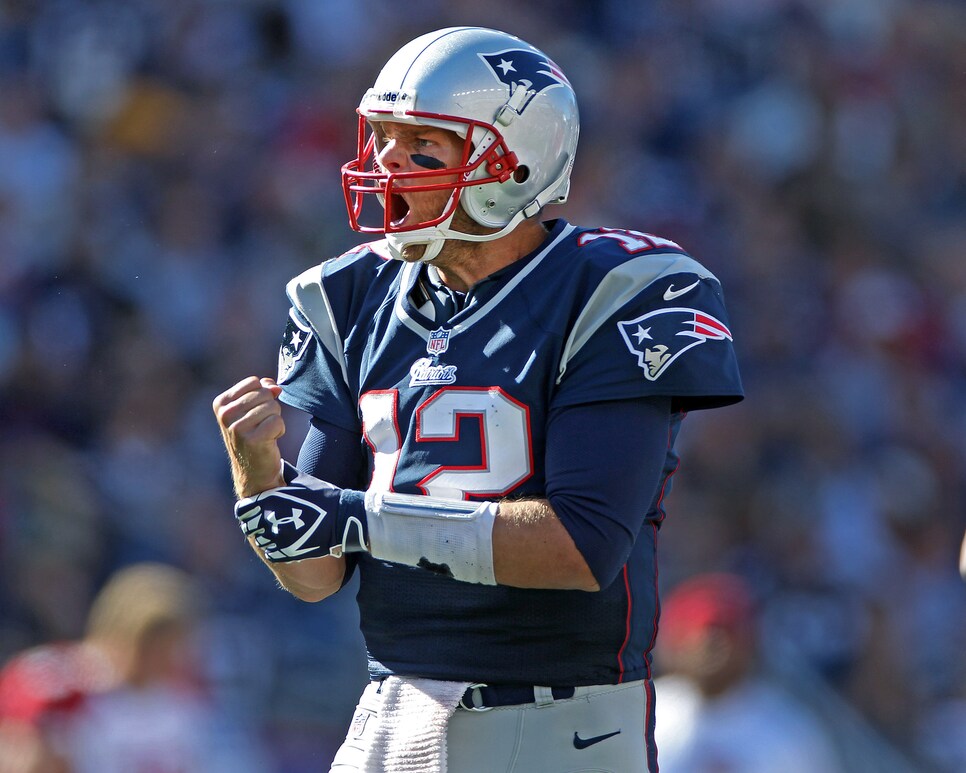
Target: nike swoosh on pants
[(583, 743)]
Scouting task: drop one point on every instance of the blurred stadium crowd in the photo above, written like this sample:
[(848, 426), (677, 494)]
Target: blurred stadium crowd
[(166, 167)]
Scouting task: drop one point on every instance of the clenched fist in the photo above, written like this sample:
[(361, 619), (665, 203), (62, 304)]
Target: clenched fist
[(250, 417)]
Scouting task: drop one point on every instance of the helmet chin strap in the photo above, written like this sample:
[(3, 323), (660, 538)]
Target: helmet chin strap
[(434, 237)]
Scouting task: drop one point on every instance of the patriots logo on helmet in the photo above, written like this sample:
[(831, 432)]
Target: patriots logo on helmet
[(533, 71), (659, 337)]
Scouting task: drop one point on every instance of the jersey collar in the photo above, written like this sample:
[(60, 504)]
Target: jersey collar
[(482, 296)]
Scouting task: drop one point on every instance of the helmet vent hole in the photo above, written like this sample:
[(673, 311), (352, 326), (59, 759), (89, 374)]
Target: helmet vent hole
[(521, 174)]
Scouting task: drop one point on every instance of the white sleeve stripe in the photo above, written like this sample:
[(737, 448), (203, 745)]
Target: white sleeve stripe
[(308, 296), (617, 288)]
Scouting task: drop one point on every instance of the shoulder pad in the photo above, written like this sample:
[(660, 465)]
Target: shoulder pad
[(625, 282)]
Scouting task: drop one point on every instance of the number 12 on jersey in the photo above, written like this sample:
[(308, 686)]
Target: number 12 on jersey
[(506, 458)]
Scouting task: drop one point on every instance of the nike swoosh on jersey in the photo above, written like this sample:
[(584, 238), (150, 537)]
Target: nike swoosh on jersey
[(670, 294), (583, 743)]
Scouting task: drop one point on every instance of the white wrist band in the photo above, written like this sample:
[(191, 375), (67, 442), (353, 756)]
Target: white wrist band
[(448, 536)]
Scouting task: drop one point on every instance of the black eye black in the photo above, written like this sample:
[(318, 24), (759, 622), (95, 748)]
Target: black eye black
[(427, 162)]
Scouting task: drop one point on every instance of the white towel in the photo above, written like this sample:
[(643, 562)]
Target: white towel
[(410, 736)]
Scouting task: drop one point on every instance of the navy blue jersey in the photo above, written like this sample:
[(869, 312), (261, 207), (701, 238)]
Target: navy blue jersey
[(460, 409)]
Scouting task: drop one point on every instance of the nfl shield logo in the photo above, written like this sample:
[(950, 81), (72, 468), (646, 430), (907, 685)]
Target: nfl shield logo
[(438, 341)]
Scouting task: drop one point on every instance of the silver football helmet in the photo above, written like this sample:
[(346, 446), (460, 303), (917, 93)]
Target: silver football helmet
[(514, 109)]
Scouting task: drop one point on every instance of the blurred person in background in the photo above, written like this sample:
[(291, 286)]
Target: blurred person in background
[(717, 711), (126, 698)]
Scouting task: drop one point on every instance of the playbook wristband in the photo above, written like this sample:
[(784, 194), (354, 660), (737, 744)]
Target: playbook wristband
[(451, 537)]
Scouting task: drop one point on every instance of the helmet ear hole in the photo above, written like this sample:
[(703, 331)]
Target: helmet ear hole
[(521, 174)]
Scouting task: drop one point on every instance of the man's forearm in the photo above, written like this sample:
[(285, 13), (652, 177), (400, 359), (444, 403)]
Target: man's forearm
[(533, 549), (313, 579)]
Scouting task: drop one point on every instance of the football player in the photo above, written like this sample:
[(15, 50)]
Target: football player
[(494, 400)]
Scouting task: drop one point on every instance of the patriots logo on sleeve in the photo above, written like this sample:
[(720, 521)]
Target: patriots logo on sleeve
[(517, 67), (295, 340), (659, 337)]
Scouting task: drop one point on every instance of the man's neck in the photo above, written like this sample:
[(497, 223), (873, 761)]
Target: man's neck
[(462, 264)]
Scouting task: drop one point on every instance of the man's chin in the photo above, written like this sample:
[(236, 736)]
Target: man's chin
[(411, 253)]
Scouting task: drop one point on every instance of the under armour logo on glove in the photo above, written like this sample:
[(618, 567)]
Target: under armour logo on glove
[(295, 518), (306, 518)]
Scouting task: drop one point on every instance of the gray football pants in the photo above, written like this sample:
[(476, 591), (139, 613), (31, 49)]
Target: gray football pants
[(601, 729)]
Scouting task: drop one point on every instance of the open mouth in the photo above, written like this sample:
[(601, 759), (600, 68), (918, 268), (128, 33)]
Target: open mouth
[(398, 210)]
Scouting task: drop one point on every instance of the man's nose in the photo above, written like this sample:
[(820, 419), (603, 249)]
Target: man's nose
[(392, 157)]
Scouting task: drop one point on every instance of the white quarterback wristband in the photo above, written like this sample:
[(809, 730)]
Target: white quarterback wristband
[(451, 537)]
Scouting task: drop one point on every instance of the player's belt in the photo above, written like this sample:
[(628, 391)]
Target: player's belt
[(480, 697)]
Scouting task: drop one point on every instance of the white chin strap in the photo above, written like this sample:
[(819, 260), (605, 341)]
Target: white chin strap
[(434, 237)]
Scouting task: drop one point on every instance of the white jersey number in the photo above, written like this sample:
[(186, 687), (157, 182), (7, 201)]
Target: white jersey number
[(506, 454), (632, 241)]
